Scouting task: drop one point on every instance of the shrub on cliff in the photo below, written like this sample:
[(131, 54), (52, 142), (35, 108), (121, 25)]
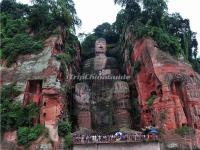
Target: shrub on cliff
[(151, 100), (68, 140), (64, 128), (66, 58), (185, 130), (136, 68), (9, 91), (25, 134), (13, 113)]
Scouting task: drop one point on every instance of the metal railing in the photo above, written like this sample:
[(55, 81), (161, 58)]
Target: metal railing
[(128, 138)]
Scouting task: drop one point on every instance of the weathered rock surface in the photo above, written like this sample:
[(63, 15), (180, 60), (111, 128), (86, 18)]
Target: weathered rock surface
[(122, 105), (175, 84), (82, 97), (104, 95), (39, 77)]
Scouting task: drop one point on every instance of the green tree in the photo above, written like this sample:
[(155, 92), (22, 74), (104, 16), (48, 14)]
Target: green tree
[(124, 2), (15, 38), (119, 24), (105, 30), (154, 11), (17, 10), (88, 46), (64, 128), (13, 113), (100, 30), (25, 134), (51, 13), (68, 140), (9, 115), (171, 32), (39, 20), (27, 114), (9, 91)]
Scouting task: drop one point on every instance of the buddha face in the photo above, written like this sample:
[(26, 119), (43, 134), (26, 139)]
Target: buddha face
[(100, 46)]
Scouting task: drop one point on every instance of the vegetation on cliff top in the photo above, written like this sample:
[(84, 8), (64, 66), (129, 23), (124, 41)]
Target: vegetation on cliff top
[(105, 30), (23, 27), (148, 18)]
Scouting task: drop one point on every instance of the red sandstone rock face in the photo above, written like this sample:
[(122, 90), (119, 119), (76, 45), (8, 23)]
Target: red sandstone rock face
[(39, 78), (84, 119), (10, 136), (175, 84), (121, 96)]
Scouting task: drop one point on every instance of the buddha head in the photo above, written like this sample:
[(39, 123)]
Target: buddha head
[(100, 46)]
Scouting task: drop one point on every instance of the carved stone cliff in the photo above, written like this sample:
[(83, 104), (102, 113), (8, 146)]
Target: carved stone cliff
[(102, 103), (40, 78), (174, 84)]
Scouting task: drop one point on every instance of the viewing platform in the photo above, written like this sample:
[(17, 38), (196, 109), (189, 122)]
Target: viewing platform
[(108, 139)]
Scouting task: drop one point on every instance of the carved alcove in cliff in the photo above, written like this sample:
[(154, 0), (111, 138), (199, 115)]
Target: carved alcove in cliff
[(33, 91)]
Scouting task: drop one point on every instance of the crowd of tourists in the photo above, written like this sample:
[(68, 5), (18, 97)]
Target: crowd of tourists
[(84, 139)]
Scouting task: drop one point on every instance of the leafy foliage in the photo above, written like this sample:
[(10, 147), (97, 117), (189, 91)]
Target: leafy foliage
[(69, 50), (27, 114), (24, 27), (135, 112), (25, 134), (136, 68), (151, 100), (185, 130), (171, 32), (106, 31), (163, 116), (15, 40), (64, 128), (88, 46), (65, 57), (13, 113), (120, 22), (50, 13), (17, 10), (196, 65), (68, 140), (10, 91)]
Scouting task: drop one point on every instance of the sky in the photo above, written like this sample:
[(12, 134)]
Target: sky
[(95, 12)]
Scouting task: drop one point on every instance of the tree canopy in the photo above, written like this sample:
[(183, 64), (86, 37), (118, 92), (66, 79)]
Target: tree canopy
[(105, 30), (13, 113), (150, 18), (24, 27)]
